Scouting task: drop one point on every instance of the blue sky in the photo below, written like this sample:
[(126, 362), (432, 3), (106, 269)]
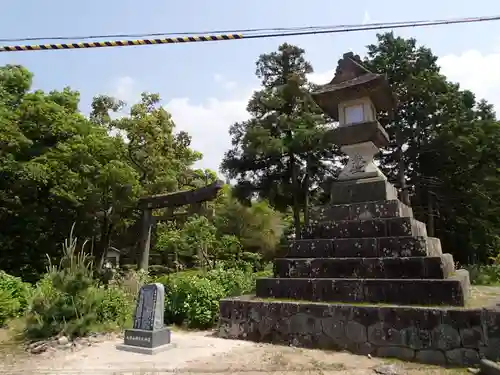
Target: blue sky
[(206, 85)]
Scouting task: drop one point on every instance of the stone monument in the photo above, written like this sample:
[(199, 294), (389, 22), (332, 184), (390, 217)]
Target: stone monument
[(364, 276), (149, 335)]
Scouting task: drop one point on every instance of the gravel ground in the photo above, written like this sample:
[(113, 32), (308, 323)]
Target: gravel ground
[(201, 353)]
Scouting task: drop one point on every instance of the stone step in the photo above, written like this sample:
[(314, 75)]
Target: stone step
[(361, 211), (366, 268), (417, 292), (371, 247), (390, 227), (453, 336)]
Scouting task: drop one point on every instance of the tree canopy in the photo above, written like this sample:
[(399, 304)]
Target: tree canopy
[(445, 150), (59, 167), (281, 153)]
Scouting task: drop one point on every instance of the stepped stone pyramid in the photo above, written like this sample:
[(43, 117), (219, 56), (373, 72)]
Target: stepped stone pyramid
[(364, 276)]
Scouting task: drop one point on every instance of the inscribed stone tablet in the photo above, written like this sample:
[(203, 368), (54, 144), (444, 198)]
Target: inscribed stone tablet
[(150, 307)]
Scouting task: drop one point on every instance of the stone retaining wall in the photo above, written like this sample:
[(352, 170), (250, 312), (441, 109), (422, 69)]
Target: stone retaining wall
[(443, 336)]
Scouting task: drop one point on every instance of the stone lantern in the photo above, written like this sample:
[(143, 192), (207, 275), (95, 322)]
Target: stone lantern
[(353, 98)]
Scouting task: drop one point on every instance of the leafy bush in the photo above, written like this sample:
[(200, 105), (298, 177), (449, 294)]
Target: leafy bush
[(157, 270), (484, 274), (192, 297), (130, 281), (69, 301), (114, 306), (8, 306), (266, 272), (14, 296)]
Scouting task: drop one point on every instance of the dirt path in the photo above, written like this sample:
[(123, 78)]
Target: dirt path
[(200, 353)]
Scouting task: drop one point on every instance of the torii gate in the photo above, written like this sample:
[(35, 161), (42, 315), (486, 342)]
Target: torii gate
[(193, 197)]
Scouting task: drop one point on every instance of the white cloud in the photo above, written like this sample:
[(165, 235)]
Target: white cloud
[(475, 71), (124, 88), (218, 78), (366, 18), (208, 122), (322, 78), (227, 84), (230, 85)]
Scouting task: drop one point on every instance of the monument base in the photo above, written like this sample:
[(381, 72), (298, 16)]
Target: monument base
[(144, 341), (141, 350), (362, 190)]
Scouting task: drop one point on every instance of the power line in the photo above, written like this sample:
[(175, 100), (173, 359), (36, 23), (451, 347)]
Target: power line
[(254, 31), (245, 34)]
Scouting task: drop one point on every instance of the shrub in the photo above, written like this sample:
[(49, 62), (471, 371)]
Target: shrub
[(130, 280), (8, 306), (14, 296), (69, 301), (157, 270), (484, 274), (192, 297), (114, 306)]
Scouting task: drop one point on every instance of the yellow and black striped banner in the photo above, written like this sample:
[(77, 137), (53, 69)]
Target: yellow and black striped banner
[(121, 43)]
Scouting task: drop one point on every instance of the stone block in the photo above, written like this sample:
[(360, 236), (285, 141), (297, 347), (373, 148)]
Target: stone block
[(492, 350), (462, 356), (369, 131), (405, 354), (330, 326), (434, 246), (390, 227), (433, 357), (367, 190), (424, 334), (489, 367), (311, 248), (409, 292), (357, 247), (365, 268), (145, 341), (491, 319), (445, 337), (462, 276), (360, 211), (408, 246), (386, 334), (365, 247)]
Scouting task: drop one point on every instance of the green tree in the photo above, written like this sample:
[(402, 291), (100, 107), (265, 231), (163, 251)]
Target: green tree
[(258, 227), (466, 193), (279, 153), (56, 168), (160, 156), (443, 147)]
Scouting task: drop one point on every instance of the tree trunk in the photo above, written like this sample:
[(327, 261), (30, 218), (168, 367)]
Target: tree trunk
[(430, 215), (306, 195), (405, 198), (295, 200), (104, 242), (147, 216)]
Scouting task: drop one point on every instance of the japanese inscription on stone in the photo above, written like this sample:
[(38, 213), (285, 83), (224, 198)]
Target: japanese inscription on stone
[(150, 307), (358, 164)]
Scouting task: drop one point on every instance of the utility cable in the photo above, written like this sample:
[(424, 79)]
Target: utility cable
[(236, 34), (252, 31)]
